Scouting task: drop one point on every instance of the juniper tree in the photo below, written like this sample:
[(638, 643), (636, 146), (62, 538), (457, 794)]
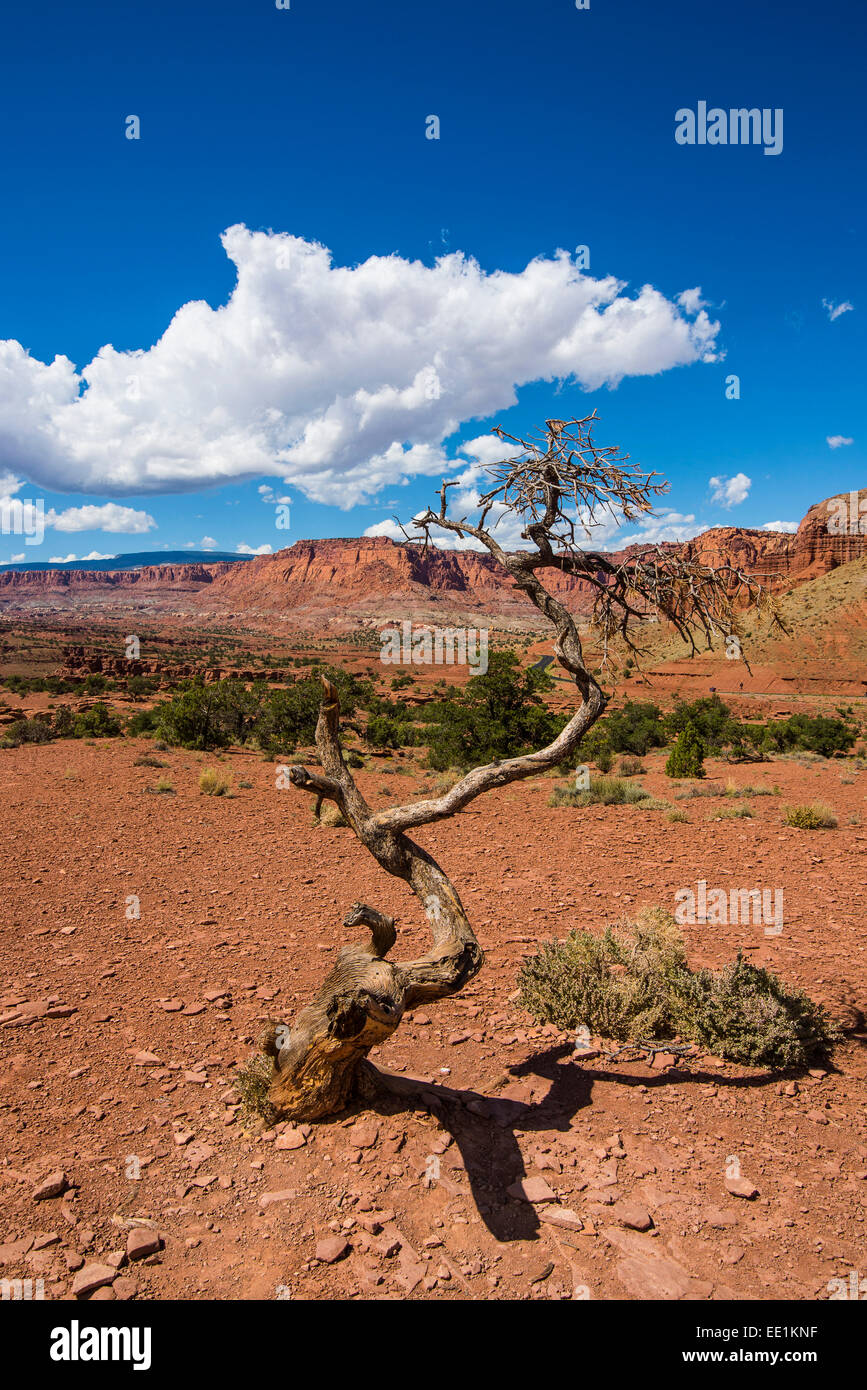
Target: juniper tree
[(558, 485)]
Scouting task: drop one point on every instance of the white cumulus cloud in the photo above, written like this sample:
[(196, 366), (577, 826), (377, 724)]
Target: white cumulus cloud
[(835, 310), (836, 441), (730, 492), (108, 517), (789, 526), (338, 380), (253, 549)]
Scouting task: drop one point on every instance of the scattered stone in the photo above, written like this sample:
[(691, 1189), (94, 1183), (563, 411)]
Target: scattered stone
[(411, 1276), (15, 1250), (125, 1288), (742, 1187), (91, 1278), (43, 1241), (560, 1216), (633, 1216), (53, 1186), (373, 1225), (663, 1059), (141, 1242), (363, 1135), (291, 1138), (269, 1198), (531, 1190), (654, 1277), (331, 1249), (720, 1220)]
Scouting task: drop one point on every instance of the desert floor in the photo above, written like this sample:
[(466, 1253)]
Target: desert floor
[(120, 1035)]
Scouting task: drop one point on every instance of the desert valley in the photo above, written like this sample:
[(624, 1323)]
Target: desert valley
[(162, 902)]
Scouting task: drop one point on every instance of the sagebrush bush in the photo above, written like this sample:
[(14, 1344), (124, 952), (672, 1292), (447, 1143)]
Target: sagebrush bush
[(603, 791), (613, 983), (816, 816), (633, 983), (746, 1014)]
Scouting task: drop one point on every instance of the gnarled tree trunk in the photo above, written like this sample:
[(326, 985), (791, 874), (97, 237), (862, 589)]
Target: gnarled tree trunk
[(362, 1000), (551, 486)]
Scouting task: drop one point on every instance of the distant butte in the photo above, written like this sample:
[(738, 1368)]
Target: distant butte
[(319, 582)]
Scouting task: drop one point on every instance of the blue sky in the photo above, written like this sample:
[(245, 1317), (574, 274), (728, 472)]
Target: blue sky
[(304, 129)]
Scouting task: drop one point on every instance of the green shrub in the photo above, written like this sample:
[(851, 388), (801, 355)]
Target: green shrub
[(383, 732), (630, 766), (633, 983), (618, 985), (732, 813), (98, 722), (747, 1015), (636, 728), (686, 758), (63, 722), (27, 731), (710, 718), (497, 715), (816, 816)]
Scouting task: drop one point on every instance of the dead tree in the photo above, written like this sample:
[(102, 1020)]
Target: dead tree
[(558, 486)]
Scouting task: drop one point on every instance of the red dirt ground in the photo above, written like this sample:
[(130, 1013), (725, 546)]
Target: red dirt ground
[(241, 901)]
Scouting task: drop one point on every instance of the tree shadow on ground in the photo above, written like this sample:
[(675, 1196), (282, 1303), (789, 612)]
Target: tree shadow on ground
[(486, 1128)]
